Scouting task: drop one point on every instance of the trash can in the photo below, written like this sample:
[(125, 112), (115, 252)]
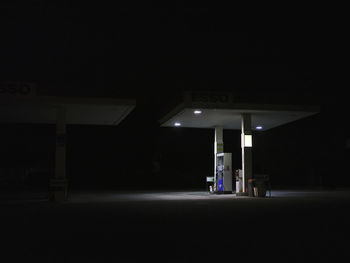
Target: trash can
[(260, 188), (251, 187)]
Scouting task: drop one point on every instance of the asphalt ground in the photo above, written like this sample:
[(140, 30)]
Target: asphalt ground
[(178, 226)]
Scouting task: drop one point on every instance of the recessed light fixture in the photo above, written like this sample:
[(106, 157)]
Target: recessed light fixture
[(177, 124), (259, 127), (197, 112)]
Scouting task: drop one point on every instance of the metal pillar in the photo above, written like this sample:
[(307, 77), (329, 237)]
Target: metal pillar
[(59, 182), (247, 162), (218, 147)]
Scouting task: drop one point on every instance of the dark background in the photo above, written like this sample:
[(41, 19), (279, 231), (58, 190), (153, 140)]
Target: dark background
[(152, 53)]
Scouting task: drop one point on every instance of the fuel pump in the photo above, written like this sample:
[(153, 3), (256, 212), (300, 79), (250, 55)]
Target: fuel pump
[(223, 173)]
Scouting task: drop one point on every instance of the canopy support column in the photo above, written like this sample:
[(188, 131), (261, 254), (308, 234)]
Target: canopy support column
[(246, 145), (218, 147), (59, 182)]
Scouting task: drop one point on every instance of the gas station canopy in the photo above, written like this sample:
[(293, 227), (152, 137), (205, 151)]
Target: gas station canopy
[(210, 110), (219, 111), (43, 109), (19, 103)]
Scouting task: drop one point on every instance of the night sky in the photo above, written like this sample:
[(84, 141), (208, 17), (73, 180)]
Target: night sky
[(151, 53)]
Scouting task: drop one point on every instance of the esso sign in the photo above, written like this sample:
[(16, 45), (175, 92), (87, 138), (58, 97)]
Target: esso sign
[(17, 88), (210, 97)]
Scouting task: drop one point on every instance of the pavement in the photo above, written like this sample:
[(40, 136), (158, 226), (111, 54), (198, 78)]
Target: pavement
[(177, 226)]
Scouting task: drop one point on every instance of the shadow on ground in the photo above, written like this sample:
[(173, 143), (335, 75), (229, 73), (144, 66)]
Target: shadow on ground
[(107, 226)]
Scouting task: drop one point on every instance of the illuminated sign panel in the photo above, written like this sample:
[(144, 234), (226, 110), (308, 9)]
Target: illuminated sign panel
[(248, 142)]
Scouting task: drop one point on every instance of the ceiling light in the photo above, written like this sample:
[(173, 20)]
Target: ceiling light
[(259, 127), (197, 112), (177, 124)]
